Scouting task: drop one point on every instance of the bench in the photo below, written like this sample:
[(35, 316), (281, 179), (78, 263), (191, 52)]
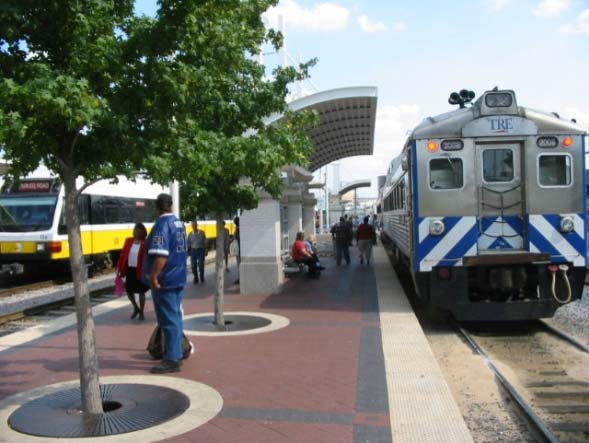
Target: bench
[(292, 268)]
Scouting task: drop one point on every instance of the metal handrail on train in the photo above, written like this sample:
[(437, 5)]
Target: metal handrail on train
[(502, 207)]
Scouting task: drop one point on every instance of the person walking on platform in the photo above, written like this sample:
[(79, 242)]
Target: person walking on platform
[(226, 245), (350, 224), (130, 267), (197, 241), (365, 236), (237, 241), (165, 269), (341, 233)]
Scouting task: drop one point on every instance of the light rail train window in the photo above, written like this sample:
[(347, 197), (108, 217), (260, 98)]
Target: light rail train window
[(21, 214), (498, 165), (555, 170), (446, 173)]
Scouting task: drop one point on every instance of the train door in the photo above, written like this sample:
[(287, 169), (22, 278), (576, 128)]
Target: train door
[(500, 216)]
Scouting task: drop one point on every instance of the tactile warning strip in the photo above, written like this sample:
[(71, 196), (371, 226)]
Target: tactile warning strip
[(421, 405)]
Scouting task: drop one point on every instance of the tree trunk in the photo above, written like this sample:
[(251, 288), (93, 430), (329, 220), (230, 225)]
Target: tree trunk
[(220, 273), (89, 384)]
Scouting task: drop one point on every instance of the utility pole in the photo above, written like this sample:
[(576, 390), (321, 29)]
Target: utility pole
[(327, 222)]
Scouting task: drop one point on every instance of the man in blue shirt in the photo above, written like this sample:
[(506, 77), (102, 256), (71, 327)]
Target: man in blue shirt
[(165, 270)]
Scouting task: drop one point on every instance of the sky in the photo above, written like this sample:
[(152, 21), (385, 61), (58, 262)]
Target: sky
[(417, 52)]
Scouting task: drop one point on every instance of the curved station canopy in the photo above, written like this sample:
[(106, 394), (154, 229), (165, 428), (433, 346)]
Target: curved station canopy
[(346, 127), (354, 185)]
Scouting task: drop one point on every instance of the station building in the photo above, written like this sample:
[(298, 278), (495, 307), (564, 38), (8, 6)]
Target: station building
[(346, 129)]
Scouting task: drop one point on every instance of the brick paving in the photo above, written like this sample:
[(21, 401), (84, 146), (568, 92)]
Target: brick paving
[(320, 379)]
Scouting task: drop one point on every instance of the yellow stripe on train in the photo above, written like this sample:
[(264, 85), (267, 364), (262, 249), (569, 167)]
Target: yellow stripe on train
[(94, 242)]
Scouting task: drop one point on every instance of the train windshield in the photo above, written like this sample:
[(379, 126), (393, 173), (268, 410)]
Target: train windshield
[(23, 214)]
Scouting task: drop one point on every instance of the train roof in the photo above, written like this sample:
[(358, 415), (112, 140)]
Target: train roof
[(451, 124), (140, 187)]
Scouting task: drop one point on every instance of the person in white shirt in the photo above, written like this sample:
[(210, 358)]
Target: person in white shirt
[(130, 267)]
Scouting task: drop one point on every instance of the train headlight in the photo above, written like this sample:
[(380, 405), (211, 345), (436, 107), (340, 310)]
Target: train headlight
[(567, 224), (40, 247), (499, 100), (436, 227)]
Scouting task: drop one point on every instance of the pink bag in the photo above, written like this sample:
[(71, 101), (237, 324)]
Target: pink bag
[(119, 286)]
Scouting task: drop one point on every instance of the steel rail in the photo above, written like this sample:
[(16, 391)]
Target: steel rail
[(541, 427), (565, 335)]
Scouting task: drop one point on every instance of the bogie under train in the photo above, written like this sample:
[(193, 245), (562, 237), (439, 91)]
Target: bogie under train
[(487, 207)]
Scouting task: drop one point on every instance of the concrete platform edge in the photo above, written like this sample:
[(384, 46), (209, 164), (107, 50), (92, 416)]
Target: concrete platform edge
[(416, 417)]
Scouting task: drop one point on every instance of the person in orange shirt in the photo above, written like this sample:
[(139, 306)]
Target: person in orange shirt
[(130, 267), (300, 254)]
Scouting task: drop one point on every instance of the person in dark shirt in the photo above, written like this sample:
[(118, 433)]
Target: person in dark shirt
[(342, 233), (197, 243), (237, 239), (165, 270)]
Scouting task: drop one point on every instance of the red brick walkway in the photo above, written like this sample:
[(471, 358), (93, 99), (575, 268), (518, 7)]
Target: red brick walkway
[(321, 379)]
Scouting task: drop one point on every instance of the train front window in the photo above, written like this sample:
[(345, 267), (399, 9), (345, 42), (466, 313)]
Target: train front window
[(498, 165), (555, 170), (446, 173), (21, 214)]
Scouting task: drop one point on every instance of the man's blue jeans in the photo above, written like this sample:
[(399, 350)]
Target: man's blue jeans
[(167, 303), (197, 259)]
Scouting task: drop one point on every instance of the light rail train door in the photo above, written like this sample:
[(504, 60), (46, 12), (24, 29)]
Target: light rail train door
[(500, 215)]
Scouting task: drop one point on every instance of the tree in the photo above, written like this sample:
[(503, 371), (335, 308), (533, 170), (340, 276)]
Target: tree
[(244, 166), (58, 61), (241, 146), (93, 92)]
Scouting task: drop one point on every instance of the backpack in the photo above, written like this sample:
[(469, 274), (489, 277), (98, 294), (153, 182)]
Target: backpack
[(155, 345)]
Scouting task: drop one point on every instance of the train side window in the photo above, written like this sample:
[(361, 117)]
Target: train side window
[(498, 165), (83, 212), (555, 170), (446, 173)]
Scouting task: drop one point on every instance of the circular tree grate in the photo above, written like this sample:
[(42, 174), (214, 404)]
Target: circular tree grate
[(232, 323), (128, 407)]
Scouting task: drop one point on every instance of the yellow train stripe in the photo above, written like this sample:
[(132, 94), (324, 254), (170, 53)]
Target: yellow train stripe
[(96, 241)]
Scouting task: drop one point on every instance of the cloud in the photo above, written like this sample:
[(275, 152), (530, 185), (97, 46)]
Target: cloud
[(328, 17), (369, 26), (399, 27), (496, 5), (579, 26), (550, 8), (393, 122)]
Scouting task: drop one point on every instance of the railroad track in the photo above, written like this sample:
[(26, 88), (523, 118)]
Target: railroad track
[(18, 321), (543, 373), (7, 292)]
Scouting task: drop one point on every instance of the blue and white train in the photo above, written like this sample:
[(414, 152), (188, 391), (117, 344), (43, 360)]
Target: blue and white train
[(486, 205)]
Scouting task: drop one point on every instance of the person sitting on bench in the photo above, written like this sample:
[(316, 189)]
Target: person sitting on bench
[(309, 246), (300, 255)]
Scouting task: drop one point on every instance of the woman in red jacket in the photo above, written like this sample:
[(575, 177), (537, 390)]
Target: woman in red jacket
[(130, 265)]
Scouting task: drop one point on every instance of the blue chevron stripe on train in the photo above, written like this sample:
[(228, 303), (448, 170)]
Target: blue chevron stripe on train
[(486, 206)]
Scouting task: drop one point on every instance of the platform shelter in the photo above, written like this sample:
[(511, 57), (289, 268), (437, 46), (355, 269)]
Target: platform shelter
[(346, 129)]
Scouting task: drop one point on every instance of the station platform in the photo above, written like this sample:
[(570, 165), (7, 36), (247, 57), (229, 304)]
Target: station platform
[(346, 361)]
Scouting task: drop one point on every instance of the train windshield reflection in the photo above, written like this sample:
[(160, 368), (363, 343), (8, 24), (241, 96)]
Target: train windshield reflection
[(21, 214)]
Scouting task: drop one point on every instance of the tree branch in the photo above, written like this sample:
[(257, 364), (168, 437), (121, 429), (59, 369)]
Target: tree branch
[(87, 184), (70, 154)]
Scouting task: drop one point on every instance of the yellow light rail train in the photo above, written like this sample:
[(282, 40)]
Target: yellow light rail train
[(33, 224)]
